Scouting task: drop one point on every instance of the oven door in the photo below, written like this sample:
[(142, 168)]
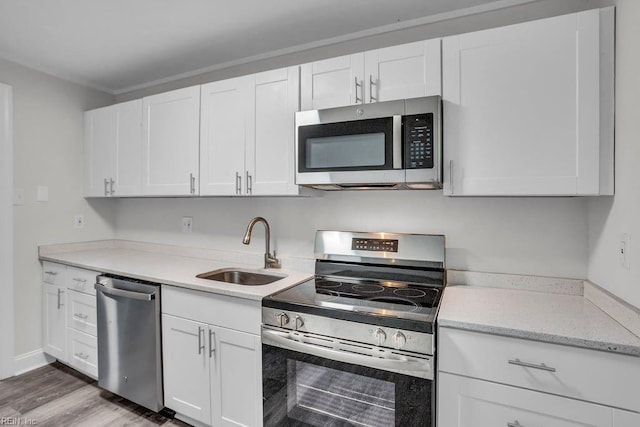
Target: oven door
[(308, 384), (366, 151)]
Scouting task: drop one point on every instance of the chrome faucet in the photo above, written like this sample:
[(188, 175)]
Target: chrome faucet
[(270, 261)]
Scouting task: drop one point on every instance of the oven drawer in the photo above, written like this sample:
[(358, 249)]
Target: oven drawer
[(590, 375), (82, 280)]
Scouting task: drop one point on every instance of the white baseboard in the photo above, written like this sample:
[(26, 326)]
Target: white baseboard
[(29, 361)]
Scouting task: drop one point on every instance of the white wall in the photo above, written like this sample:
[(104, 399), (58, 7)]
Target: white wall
[(48, 151), (611, 217), (540, 236)]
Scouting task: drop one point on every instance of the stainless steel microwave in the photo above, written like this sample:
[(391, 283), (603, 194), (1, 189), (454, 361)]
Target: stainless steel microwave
[(384, 145)]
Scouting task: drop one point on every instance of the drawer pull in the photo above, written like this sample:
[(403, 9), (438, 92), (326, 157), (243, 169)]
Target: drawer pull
[(53, 273), (514, 424), (541, 366), (82, 356), (77, 279), (81, 316)]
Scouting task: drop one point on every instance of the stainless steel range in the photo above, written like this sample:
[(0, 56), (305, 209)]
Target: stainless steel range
[(355, 344)]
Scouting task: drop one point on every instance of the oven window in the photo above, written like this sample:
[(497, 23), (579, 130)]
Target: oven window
[(316, 392), (346, 151)]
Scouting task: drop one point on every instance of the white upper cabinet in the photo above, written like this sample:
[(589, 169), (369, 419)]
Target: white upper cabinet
[(171, 135), (247, 134), (406, 71), (333, 82), (113, 150), (270, 150), (528, 108), (223, 136)]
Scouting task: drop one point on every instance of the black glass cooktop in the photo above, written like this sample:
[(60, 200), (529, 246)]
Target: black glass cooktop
[(392, 303)]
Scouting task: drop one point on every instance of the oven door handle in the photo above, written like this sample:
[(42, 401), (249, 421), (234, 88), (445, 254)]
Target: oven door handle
[(405, 364)]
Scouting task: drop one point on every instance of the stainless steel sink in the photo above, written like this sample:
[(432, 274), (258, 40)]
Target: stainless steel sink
[(241, 277)]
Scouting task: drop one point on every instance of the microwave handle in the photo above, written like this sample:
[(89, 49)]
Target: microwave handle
[(397, 142)]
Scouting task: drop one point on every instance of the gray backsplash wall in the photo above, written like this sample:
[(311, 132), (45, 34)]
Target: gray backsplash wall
[(538, 236)]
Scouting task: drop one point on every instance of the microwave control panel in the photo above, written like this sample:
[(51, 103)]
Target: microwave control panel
[(418, 141)]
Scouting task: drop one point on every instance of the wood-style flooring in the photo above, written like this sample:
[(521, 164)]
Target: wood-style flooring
[(56, 395)]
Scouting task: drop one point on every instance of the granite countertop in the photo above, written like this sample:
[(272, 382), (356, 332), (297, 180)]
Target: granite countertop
[(169, 269), (554, 318)]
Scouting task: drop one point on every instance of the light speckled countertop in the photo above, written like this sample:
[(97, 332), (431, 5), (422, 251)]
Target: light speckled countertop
[(169, 269), (554, 318)]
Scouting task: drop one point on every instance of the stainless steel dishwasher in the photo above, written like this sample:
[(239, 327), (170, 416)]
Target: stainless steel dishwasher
[(129, 340)]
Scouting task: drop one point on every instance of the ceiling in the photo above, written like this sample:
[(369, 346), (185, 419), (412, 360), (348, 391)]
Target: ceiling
[(122, 45)]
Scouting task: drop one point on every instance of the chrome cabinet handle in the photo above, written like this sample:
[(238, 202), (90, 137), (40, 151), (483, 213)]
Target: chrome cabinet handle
[(192, 183), (541, 366), (451, 176), (60, 291), (78, 279), (200, 345), (237, 183), (371, 85), (106, 187), (53, 273), (212, 344), (249, 181), (81, 316), (82, 356), (111, 182), (514, 424), (358, 100)]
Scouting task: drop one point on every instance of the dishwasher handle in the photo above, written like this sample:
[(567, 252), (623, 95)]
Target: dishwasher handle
[(122, 293)]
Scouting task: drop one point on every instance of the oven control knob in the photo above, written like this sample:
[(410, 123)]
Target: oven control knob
[(282, 318), (298, 322), (380, 336), (399, 340)]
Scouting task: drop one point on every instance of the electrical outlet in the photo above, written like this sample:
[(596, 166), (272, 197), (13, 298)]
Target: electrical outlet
[(18, 197), (78, 221), (187, 224), (624, 252), (42, 193)]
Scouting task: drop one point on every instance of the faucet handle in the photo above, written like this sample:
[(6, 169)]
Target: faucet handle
[(271, 261)]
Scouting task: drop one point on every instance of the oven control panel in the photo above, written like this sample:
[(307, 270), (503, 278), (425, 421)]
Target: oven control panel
[(377, 245)]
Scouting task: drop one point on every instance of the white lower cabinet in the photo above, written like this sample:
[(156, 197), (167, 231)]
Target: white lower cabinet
[(55, 330), (70, 316), (83, 352), (212, 373), (487, 380)]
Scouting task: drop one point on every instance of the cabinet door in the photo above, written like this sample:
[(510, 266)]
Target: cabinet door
[(333, 82), (55, 330), (406, 71), (236, 378), (186, 368), (625, 418), (464, 402), (223, 120), (127, 174), (270, 148), (99, 151), (171, 129), (527, 108)]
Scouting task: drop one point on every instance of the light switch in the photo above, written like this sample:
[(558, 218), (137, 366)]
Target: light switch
[(43, 193)]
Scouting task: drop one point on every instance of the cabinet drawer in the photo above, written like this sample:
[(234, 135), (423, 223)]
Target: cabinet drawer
[(82, 352), (220, 310), (590, 375), (81, 312), (464, 402), (82, 280), (53, 273)]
